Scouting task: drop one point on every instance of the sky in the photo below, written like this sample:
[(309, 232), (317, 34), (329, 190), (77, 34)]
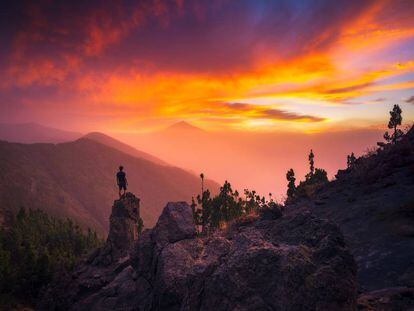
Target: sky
[(135, 66)]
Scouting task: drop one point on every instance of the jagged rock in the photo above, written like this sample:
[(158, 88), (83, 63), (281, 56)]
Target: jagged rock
[(295, 262), (175, 223), (123, 230), (257, 267), (389, 299)]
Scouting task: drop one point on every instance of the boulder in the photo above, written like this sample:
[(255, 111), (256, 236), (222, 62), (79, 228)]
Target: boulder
[(256, 266), (175, 223)]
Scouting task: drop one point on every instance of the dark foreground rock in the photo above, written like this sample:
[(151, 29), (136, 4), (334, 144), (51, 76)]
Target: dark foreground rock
[(373, 204), (296, 262), (389, 299)]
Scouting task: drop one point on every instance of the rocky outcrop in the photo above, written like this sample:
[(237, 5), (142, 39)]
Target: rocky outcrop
[(123, 230), (295, 262), (259, 266), (175, 224)]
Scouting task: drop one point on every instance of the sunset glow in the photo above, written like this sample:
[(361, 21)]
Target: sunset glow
[(206, 155), (249, 65)]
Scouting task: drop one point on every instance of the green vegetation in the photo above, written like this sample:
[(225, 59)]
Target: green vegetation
[(290, 176), (212, 213), (350, 161), (311, 158), (202, 182), (314, 180), (395, 121), (33, 247)]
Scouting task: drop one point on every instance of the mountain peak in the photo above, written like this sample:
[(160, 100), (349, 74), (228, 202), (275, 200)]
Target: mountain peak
[(96, 135), (183, 126)]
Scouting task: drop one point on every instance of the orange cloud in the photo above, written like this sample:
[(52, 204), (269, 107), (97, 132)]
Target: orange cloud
[(199, 97)]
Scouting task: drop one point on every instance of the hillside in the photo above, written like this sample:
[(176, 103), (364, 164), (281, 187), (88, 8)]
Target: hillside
[(114, 143), (33, 248), (77, 180), (373, 204), (35, 133)]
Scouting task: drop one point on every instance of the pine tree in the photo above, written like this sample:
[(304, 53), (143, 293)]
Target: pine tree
[(290, 176), (311, 158), (193, 207), (350, 160), (311, 163), (320, 176), (202, 182), (395, 121), (33, 247), (204, 214)]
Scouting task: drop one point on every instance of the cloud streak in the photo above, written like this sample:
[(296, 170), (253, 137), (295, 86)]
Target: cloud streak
[(250, 111), (410, 100)]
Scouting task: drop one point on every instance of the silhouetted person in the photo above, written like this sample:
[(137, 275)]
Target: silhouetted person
[(121, 180)]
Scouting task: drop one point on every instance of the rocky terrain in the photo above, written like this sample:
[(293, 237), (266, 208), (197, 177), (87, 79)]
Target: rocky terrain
[(271, 262), (373, 204), (295, 260)]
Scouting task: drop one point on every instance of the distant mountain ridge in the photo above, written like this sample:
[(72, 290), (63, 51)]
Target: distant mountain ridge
[(29, 133), (35, 133), (77, 180)]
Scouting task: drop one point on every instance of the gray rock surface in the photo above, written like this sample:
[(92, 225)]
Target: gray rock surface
[(295, 262), (123, 230), (175, 224)]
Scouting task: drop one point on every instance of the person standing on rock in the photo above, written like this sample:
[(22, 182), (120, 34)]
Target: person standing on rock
[(121, 180)]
